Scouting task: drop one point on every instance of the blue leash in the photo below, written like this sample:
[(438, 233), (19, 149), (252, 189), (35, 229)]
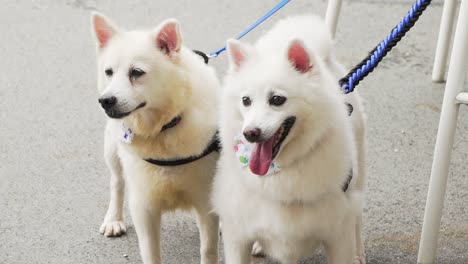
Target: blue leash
[(254, 25), (367, 65), (360, 71)]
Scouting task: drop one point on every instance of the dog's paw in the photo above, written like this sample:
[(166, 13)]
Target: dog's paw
[(360, 259), (113, 229), (257, 250)]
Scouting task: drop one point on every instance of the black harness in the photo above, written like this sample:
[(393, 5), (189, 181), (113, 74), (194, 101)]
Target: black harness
[(214, 145)]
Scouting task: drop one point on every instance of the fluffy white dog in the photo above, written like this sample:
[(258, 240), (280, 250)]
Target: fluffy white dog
[(291, 172), (161, 100)]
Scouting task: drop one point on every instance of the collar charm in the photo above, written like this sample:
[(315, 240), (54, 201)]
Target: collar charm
[(243, 152), (127, 134)]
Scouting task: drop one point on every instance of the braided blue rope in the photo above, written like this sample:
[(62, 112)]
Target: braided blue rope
[(368, 64), (254, 25)]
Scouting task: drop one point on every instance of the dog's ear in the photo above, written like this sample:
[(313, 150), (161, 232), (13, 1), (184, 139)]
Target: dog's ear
[(168, 38), (103, 29), (298, 56), (237, 53)]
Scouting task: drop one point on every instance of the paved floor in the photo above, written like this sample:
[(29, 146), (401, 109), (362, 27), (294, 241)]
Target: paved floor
[(53, 182)]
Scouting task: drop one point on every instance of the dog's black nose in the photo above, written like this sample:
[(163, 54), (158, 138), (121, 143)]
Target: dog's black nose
[(107, 102), (252, 135)]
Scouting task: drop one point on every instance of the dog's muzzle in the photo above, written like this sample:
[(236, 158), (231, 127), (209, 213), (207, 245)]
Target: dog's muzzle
[(109, 104)]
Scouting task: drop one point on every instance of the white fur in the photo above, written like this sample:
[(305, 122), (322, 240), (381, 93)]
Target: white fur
[(177, 82), (303, 206)]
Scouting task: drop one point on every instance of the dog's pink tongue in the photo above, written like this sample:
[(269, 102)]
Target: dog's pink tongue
[(260, 159)]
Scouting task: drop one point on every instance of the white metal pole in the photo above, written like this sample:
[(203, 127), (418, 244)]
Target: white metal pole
[(443, 41), (331, 17), (444, 143)]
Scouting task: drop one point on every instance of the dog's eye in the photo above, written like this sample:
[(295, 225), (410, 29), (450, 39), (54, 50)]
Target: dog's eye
[(135, 73), (277, 100), (109, 72), (246, 101)]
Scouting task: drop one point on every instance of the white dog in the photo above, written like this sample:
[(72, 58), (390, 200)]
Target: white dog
[(291, 172), (161, 100)]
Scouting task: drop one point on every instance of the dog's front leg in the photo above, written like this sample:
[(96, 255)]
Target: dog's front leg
[(361, 146), (236, 250), (360, 257), (113, 224), (147, 223), (208, 224), (341, 247)]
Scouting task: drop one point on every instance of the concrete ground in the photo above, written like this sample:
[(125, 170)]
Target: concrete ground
[(53, 181)]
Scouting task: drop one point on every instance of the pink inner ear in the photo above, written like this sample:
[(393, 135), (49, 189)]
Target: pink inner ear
[(103, 31), (237, 57), (168, 39), (298, 57)]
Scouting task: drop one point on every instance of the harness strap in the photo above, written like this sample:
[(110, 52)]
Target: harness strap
[(348, 181), (350, 175), (174, 122), (350, 108), (215, 145), (202, 54)]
